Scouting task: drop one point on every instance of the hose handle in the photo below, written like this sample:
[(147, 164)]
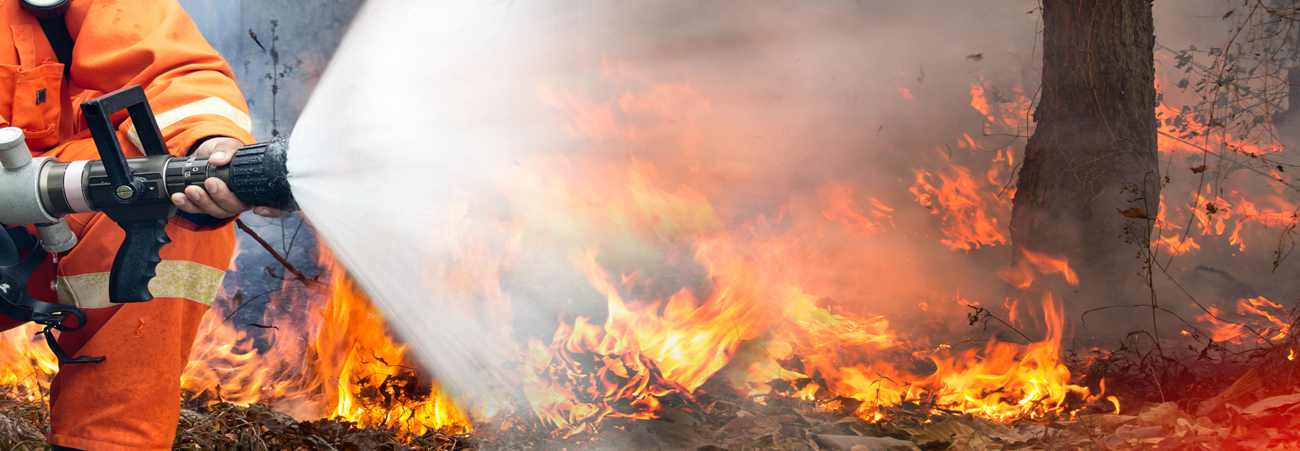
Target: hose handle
[(98, 113), (137, 260), (142, 217)]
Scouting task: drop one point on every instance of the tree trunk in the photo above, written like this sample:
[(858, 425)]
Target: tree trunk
[(1091, 175)]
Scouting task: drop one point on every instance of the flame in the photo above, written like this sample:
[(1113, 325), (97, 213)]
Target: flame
[(1190, 142), (1002, 381), (29, 365), (1214, 214), (739, 305), (742, 311), (659, 346), (336, 359), (1023, 274), (1176, 245), (973, 210), (1216, 204), (970, 216), (574, 385), (755, 318), (977, 99), (1258, 317), (1270, 313), (1010, 381), (377, 386), (1008, 112), (845, 211)]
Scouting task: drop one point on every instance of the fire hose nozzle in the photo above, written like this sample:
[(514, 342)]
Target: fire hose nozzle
[(257, 174), (135, 193)]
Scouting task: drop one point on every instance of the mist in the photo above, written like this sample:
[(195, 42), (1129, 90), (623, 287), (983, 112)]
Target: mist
[(756, 106)]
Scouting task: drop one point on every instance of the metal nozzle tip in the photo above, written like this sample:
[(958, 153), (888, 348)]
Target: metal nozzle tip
[(260, 176)]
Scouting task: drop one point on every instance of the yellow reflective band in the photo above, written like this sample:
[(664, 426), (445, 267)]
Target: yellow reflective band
[(175, 279), (210, 105)]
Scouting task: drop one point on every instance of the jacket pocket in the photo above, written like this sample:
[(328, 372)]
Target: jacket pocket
[(36, 106), (8, 75)]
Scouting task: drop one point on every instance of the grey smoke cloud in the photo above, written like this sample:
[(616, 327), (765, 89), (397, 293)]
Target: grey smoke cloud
[(755, 105)]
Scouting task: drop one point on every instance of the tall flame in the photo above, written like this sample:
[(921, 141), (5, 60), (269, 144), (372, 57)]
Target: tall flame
[(335, 358), (28, 364), (648, 348)]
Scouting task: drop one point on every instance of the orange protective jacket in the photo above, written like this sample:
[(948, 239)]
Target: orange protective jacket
[(131, 401)]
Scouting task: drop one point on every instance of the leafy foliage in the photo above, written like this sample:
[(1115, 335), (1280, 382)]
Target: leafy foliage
[(1245, 116)]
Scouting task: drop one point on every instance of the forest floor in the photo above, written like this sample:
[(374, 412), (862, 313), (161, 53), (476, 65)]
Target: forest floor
[(1250, 401)]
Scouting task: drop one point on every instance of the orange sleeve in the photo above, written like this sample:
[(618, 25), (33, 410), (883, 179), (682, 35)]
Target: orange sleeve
[(153, 43)]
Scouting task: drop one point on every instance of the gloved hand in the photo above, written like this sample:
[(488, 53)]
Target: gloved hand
[(217, 200)]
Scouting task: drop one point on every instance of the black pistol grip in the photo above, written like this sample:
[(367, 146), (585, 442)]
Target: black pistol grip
[(137, 260)]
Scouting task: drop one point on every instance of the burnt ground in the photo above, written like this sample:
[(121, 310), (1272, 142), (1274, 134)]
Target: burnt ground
[(1205, 399)]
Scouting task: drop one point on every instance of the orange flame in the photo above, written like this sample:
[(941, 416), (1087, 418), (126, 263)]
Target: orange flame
[(1176, 245), (29, 365), (1002, 381), (1260, 318), (753, 315), (377, 386), (965, 208), (845, 211), (349, 367), (1006, 113), (1023, 274)]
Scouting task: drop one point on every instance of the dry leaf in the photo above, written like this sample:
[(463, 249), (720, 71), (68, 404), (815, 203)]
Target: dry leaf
[(1161, 415), (1259, 408), (1134, 213), (848, 442), (1248, 383), (944, 432), (994, 430)]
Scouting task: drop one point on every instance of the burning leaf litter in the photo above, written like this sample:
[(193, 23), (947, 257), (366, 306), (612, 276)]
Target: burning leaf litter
[(1243, 416)]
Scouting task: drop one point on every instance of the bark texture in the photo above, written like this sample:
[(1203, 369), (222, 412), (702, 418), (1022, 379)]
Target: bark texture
[(1093, 154)]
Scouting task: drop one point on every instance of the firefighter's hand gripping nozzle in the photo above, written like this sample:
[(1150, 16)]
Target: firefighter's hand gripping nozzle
[(135, 193)]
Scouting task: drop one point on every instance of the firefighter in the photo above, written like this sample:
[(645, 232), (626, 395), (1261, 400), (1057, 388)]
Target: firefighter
[(131, 401)]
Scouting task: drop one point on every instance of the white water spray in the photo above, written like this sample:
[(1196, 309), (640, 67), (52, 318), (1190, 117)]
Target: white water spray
[(417, 109), (428, 108)]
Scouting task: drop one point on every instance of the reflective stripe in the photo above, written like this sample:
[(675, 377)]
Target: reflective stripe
[(210, 105), (175, 279)]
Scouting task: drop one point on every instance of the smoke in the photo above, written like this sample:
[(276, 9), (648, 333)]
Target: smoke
[(433, 118), (439, 146), (277, 50)]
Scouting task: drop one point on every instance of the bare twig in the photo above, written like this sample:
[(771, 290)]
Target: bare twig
[(312, 283), (986, 314)]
